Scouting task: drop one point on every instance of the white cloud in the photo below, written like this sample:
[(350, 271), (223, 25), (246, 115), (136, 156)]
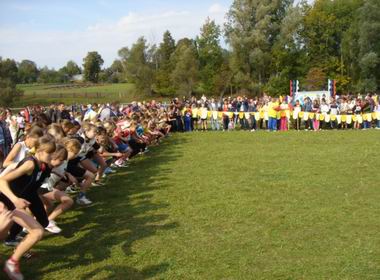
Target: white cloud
[(56, 48), (217, 9)]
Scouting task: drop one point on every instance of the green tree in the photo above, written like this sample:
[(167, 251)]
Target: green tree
[(186, 71), (369, 42), (138, 66), (9, 70), (289, 55), (47, 76), (330, 28), (210, 56), (71, 69), (316, 79), (251, 31), (222, 80), (163, 84), (350, 53), (92, 66), (112, 74), (8, 79), (8, 92), (116, 71), (27, 72)]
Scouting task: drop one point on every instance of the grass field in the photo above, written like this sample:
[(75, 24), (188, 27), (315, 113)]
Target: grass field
[(234, 205), (76, 93)]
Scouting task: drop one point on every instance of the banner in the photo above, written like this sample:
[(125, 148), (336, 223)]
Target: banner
[(292, 115)]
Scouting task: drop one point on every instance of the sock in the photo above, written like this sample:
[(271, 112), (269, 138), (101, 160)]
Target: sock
[(12, 260)]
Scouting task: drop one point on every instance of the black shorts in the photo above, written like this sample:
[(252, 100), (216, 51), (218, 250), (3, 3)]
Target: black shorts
[(42, 191), (74, 161), (7, 202), (90, 155), (74, 169)]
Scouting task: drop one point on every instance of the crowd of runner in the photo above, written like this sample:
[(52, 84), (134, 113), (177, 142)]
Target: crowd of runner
[(51, 156)]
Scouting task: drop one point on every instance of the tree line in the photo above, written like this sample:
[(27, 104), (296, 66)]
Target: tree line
[(267, 44)]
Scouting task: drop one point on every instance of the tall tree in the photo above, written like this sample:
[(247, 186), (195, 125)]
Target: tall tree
[(138, 66), (210, 56), (8, 79), (27, 72), (113, 74), (71, 69), (163, 84), (222, 81), (186, 71), (288, 52), (251, 31), (369, 42), (92, 64), (328, 29), (9, 70)]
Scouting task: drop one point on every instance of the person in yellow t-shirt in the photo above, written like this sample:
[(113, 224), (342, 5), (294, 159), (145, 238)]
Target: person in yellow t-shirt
[(273, 108)]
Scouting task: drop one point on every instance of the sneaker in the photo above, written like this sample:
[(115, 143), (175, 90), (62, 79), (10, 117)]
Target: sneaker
[(71, 189), (11, 243), (118, 162), (122, 164), (83, 201), (253, 130), (53, 228), (12, 269), (109, 171), (21, 236), (98, 184)]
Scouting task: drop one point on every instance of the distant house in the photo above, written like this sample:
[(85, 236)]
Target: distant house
[(77, 78)]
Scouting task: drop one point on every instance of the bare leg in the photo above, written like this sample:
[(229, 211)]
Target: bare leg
[(65, 203), (35, 233), (102, 166), (86, 183)]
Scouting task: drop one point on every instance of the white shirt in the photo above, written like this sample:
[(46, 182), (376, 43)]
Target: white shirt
[(56, 175), (24, 150), (324, 108), (203, 113)]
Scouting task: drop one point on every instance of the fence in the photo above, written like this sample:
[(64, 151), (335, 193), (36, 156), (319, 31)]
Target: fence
[(73, 95)]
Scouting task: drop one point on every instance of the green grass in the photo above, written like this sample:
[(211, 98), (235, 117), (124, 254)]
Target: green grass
[(46, 94), (236, 205)]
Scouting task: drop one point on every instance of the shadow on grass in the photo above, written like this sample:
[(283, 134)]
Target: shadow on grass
[(122, 272), (123, 212)]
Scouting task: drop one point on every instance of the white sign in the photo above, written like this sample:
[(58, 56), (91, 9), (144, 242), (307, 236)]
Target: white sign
[(301, 95)]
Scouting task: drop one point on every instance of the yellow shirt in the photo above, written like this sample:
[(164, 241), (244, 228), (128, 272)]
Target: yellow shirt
[(195, 113), (272, 113)]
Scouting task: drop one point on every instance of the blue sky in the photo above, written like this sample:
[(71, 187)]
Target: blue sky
[(53, 32)]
